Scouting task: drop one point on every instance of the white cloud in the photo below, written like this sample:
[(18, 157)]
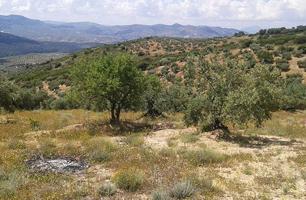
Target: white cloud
[(218, 12)]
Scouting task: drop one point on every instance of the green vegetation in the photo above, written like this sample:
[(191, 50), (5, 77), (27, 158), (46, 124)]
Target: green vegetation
[(112, 82), (233, 93), (190, 127), (130, 179)]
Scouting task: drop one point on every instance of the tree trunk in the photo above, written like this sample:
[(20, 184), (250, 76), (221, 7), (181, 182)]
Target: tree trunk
[(115, 114)]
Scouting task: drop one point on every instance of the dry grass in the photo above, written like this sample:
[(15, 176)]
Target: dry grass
[(161, 168)]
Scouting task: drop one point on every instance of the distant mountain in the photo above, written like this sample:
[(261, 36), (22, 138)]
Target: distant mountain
[(85, 32), (11, 45)]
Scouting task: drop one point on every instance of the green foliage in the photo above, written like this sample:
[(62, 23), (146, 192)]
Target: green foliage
[(153, 97), (282, 64), (34, 124), (130, 179), (182, 190), (232, 93), (112, 81), (293, 93), (265, 57), (8, 95), (176, 97)]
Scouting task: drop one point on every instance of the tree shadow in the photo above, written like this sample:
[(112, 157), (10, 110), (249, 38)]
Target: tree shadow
[(257, 141), (126, 127)]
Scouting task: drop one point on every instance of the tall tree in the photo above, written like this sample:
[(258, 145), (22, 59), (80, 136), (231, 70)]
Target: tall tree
[(111, 82)]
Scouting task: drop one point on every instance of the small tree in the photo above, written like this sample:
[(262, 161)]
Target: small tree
[(233, 93), (8, 95), (111, 82), (153, 97)]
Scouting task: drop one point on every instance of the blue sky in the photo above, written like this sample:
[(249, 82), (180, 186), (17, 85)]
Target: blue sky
[(226, 13)]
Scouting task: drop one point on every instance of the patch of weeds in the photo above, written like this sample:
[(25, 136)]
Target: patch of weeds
[(107, 189), (70, 150), (100, 149), (172, 142), (248, 171), (204, 157), (47, 148), (182, 190), (9, 183), (130, 179), (35, 125), (160, 195), (190, 138), (167, 152), (135, 140), (93, 128), (15, 144)]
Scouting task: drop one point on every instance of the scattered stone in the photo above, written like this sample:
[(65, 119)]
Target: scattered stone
[(58, 165)]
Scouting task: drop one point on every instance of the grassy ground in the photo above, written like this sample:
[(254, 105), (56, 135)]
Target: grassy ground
[(172, 163)]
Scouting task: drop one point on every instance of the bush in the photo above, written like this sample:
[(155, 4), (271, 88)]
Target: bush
[(265, 57), (294, 93), (130, 179), (108, 189), (302, 64), (283, 66), (182, 190)]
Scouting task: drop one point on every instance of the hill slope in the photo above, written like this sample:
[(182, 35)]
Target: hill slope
[(11, 45), (90, 32), (168, 57)]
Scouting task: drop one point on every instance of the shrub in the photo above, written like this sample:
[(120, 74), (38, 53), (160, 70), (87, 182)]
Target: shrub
[(108, 189), (100, 149), (130, 179), (283, 66), (204, 156), (265, 57), (160, 195), (182, 190), (302, 64)]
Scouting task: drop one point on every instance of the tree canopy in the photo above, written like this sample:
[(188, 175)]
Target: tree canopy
[(111, 82), (232, 93)]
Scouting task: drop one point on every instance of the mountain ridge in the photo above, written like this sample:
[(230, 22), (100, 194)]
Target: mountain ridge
[(88, 32)]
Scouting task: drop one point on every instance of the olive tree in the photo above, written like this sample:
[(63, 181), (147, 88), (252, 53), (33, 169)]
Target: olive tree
[(232, 93), (112, 82)]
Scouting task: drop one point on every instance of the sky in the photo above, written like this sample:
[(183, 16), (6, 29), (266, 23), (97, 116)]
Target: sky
[(225, 13)]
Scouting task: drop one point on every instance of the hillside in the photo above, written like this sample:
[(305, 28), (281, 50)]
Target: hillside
[(85, 32), (168, 57), (11, 45)]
